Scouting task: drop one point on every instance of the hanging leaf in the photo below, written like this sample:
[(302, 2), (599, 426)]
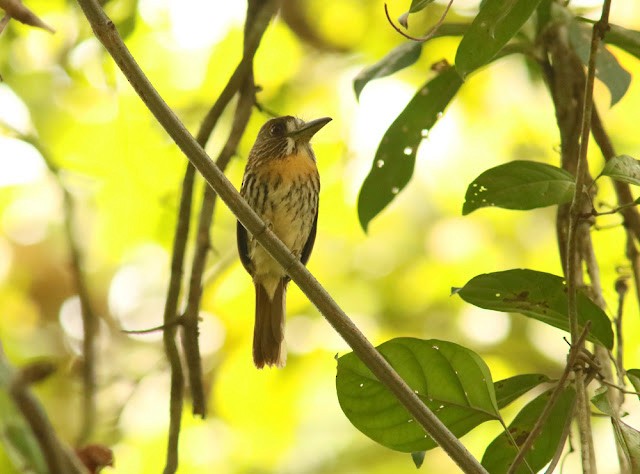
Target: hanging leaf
[(623, 168), (520, 185), (634, 377), (416, 6), (623, 38), (538, 295), (628, 438), (398, 58), (508, 390), (496, 23), (608, 69), (450, 379), (394, 161), (500, 453)]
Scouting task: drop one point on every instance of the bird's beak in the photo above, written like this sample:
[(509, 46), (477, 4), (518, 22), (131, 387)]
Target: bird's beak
[(309, 129)]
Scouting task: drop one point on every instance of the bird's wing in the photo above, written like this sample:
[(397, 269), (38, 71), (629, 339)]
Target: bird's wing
[(308, 246), (243, 248)]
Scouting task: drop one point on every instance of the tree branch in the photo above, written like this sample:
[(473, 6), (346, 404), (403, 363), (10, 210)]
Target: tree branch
[(105, 31)]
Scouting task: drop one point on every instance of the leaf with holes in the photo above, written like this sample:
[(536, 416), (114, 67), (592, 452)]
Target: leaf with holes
[(623, 168), (450, 379), (519, 185), (508, 390), (398, 58), (537, 295), (500, 453), (394, 161), (608, 69), (496, 23)]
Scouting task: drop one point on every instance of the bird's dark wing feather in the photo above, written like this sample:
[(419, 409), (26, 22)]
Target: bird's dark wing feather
[(243, 248), (308, 246)]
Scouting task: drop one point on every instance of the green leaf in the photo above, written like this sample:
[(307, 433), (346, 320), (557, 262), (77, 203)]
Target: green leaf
[(417, 5), (538, 295), (519, 185), (623, 168), (500, 453), (450, 379), (394, 161), (634, 377), (496, 23), (608, 70), (398, 58), (508, 390), (418, 458), (629, 40), (601, 401), (628, 439)]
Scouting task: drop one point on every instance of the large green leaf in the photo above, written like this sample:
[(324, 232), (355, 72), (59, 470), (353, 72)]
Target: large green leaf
[(500, 453), (538, 295), (394, 161), (608, 69), (519, 185), (508, 390), (496, 23), (450, 379), (398, 58), (623, 168)]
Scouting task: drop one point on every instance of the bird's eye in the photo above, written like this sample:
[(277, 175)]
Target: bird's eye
[(277, 129)]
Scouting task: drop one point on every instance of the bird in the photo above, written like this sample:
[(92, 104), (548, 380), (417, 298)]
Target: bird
[(282, 184)]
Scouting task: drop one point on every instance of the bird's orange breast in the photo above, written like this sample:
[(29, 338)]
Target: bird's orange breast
[(294, 165)]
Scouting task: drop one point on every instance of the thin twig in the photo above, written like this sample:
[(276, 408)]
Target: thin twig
[(107, 34), (170, 314), (259, 14), (176, 322), (577, 205), (90, 321), (566, 430), (429, 34), (574, 353)]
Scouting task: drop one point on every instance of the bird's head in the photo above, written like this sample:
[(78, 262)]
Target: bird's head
[(284, 136)]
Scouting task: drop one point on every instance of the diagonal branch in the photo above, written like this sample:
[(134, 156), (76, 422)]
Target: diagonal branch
[(105, 31)]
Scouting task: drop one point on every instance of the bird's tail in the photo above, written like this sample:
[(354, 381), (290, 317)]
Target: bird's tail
[(268, 332)]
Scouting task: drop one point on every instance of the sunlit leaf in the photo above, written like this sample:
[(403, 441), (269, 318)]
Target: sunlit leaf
[(634, 377), (508, 390), (608, 70), (496, 23), (623, 168), (416, 6), (500, 453), (450, 379), (398, 58), (520, 185), (538, 295), (394, 161), (628, 438), (623, 38)]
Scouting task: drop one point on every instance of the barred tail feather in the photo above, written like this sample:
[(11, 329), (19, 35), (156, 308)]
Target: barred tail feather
[(268, 332)]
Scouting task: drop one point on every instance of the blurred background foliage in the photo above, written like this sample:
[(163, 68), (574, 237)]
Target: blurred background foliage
[(124, 175)]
